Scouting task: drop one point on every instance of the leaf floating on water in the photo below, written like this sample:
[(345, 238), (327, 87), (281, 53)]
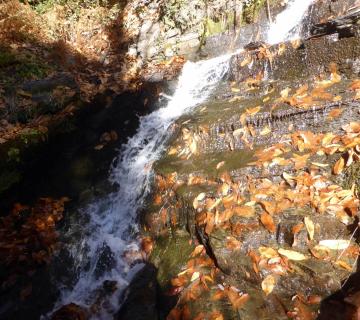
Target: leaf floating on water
[(335, 244), (292, 255), (339, 166), (268, 284), (268, 222), (309, 227)]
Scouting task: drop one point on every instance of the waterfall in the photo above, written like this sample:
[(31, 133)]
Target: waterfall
[(111, 227), (287, 24)]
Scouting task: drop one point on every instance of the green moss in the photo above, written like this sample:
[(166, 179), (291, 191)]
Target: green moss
[(216, 26), (251, 11), (170, 254)]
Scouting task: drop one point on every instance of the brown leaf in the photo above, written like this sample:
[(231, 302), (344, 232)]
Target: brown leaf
[(268, 222)]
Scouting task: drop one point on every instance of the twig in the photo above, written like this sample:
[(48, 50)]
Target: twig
[(268, 11), (352, 236)]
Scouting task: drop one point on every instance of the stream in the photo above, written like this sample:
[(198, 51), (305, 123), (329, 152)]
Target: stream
[(107, 228)]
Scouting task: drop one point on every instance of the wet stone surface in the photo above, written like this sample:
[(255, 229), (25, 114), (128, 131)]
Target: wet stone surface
[(256, 178)]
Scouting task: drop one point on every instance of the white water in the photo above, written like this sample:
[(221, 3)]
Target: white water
[(287, 23), (112, 221)]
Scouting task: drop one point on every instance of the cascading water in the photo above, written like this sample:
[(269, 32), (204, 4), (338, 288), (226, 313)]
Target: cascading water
[(288, 23), (111, 228)]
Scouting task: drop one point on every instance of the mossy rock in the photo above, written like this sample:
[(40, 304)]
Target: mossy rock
[(170, 254)]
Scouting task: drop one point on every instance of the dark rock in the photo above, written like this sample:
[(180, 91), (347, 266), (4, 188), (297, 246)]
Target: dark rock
[(345, 26), (71, 312), (140, 298)]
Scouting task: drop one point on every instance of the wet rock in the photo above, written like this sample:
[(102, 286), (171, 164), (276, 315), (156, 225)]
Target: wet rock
[(71, 311), (345, 26), (140, 298)]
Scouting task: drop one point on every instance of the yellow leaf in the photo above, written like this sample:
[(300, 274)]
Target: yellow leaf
[(267, 252), (268, 284), (321, 165), (309, 227), (235, 90), (335, 244), (292, 255), (195, 276), (339, 166)]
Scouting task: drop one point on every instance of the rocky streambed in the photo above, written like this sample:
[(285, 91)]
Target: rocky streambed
[(254, 213)]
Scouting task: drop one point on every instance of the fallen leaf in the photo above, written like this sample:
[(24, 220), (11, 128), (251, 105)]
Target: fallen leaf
[(198, 199), (268, 222), (195, 276), (344, 265), (339, 166), (292, 255), (253, 111), (335, 244), (245, 211), (220, 164), (267, 252), (309, 227), (268, 284)]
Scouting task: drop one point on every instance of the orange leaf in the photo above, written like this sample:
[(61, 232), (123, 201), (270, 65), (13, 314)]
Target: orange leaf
[(268, 222), (269, 207), (339, 166), (244, 211)]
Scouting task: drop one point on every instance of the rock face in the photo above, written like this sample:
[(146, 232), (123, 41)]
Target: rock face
[(258, 182)]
